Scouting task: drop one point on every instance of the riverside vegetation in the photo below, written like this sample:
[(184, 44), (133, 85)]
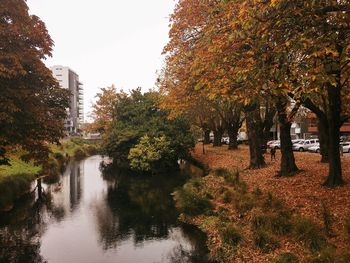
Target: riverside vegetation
[(16, 178), (246, 225)]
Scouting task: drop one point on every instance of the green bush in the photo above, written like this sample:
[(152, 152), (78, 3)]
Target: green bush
[(271, 202), (264, 240), (12, 187), (244, 204), (191, 202), (327, 218), (79, 154), (227, 196), (90, 150), (230, 234), (51, 167), (308, 232), (286, 258)]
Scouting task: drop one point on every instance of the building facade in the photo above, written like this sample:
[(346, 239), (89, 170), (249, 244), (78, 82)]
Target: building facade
[(68, 79)]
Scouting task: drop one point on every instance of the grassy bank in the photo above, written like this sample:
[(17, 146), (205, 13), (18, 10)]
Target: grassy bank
[(15, 180), (247, 220)]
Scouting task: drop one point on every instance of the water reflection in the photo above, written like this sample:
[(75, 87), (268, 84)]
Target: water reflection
[(86, 216)]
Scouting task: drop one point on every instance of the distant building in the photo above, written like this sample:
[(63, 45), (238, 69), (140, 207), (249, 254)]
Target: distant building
[(312, 126), (68, 79)]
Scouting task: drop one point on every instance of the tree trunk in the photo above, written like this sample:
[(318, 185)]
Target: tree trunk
[(217, 138), (255, 135), (206, 137), (323, 136), (232, 131), (333, 115), (288, 166)]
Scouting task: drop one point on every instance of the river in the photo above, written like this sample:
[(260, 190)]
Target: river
[(86, 216)]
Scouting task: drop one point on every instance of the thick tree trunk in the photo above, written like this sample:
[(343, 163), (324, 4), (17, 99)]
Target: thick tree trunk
[(255, 135), (206, 136), (232, 131), (217, 138), (333, 115), (323, 136), (288, 166)]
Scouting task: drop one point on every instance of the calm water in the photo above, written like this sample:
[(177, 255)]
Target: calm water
[(85, 216)]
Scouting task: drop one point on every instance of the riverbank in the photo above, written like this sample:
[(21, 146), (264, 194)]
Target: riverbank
[(254, 216), (16, 180)]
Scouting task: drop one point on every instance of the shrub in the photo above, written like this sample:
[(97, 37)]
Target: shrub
[(79, 154), (281, 222), (272, 202), (90, 150), (306, 231), (264, 240), (244, 204), (286, 258), (327, 218), (230, 234), (223, 172), (278, 222), (227, 196), (330, 256), (51, 167), (12, 187), (191, 202)]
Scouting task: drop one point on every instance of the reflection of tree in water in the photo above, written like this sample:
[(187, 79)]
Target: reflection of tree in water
[(198, 252), (22, 228), (142, 208)]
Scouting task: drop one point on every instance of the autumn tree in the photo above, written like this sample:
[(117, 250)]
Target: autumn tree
[(317, 32), (103, 110), (32, 106)]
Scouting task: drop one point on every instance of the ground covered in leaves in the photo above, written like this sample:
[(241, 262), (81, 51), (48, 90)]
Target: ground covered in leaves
[(267, 217)]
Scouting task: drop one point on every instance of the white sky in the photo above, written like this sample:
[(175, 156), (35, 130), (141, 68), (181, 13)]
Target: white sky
[(107, 41)]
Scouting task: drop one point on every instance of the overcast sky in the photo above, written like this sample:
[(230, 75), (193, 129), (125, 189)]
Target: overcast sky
[(107, 41)]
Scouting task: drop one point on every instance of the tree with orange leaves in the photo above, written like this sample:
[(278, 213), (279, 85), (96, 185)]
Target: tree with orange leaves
[(32, 105)]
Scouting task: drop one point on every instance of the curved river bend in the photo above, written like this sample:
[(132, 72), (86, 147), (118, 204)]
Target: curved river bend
[(85, 216)]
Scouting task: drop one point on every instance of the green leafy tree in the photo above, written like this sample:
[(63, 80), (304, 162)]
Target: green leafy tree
[(137, 117)]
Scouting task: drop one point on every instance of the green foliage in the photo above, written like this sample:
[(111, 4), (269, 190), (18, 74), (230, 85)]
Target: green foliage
[(286, 258), (327, 218), (191, 201), (264, 240), (151, 153), (138, 115), (276, 222), (308, 232), (12, 187), (79, 154), (230, 234)]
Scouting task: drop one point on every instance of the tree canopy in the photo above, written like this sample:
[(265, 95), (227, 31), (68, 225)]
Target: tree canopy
[(143, 136), (32, 105)]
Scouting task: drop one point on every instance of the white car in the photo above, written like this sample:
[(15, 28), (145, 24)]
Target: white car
[(346, 147), (275, 144), (305, 145), (315, 149)]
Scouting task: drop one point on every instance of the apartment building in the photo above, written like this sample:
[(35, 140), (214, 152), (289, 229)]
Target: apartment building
[(68, 79)]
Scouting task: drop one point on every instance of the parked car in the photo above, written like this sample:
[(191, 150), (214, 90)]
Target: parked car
[(305, 145), (225, 140), (276, 144), (315, 149), (297, 141), (346, 147), (270, 142)]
